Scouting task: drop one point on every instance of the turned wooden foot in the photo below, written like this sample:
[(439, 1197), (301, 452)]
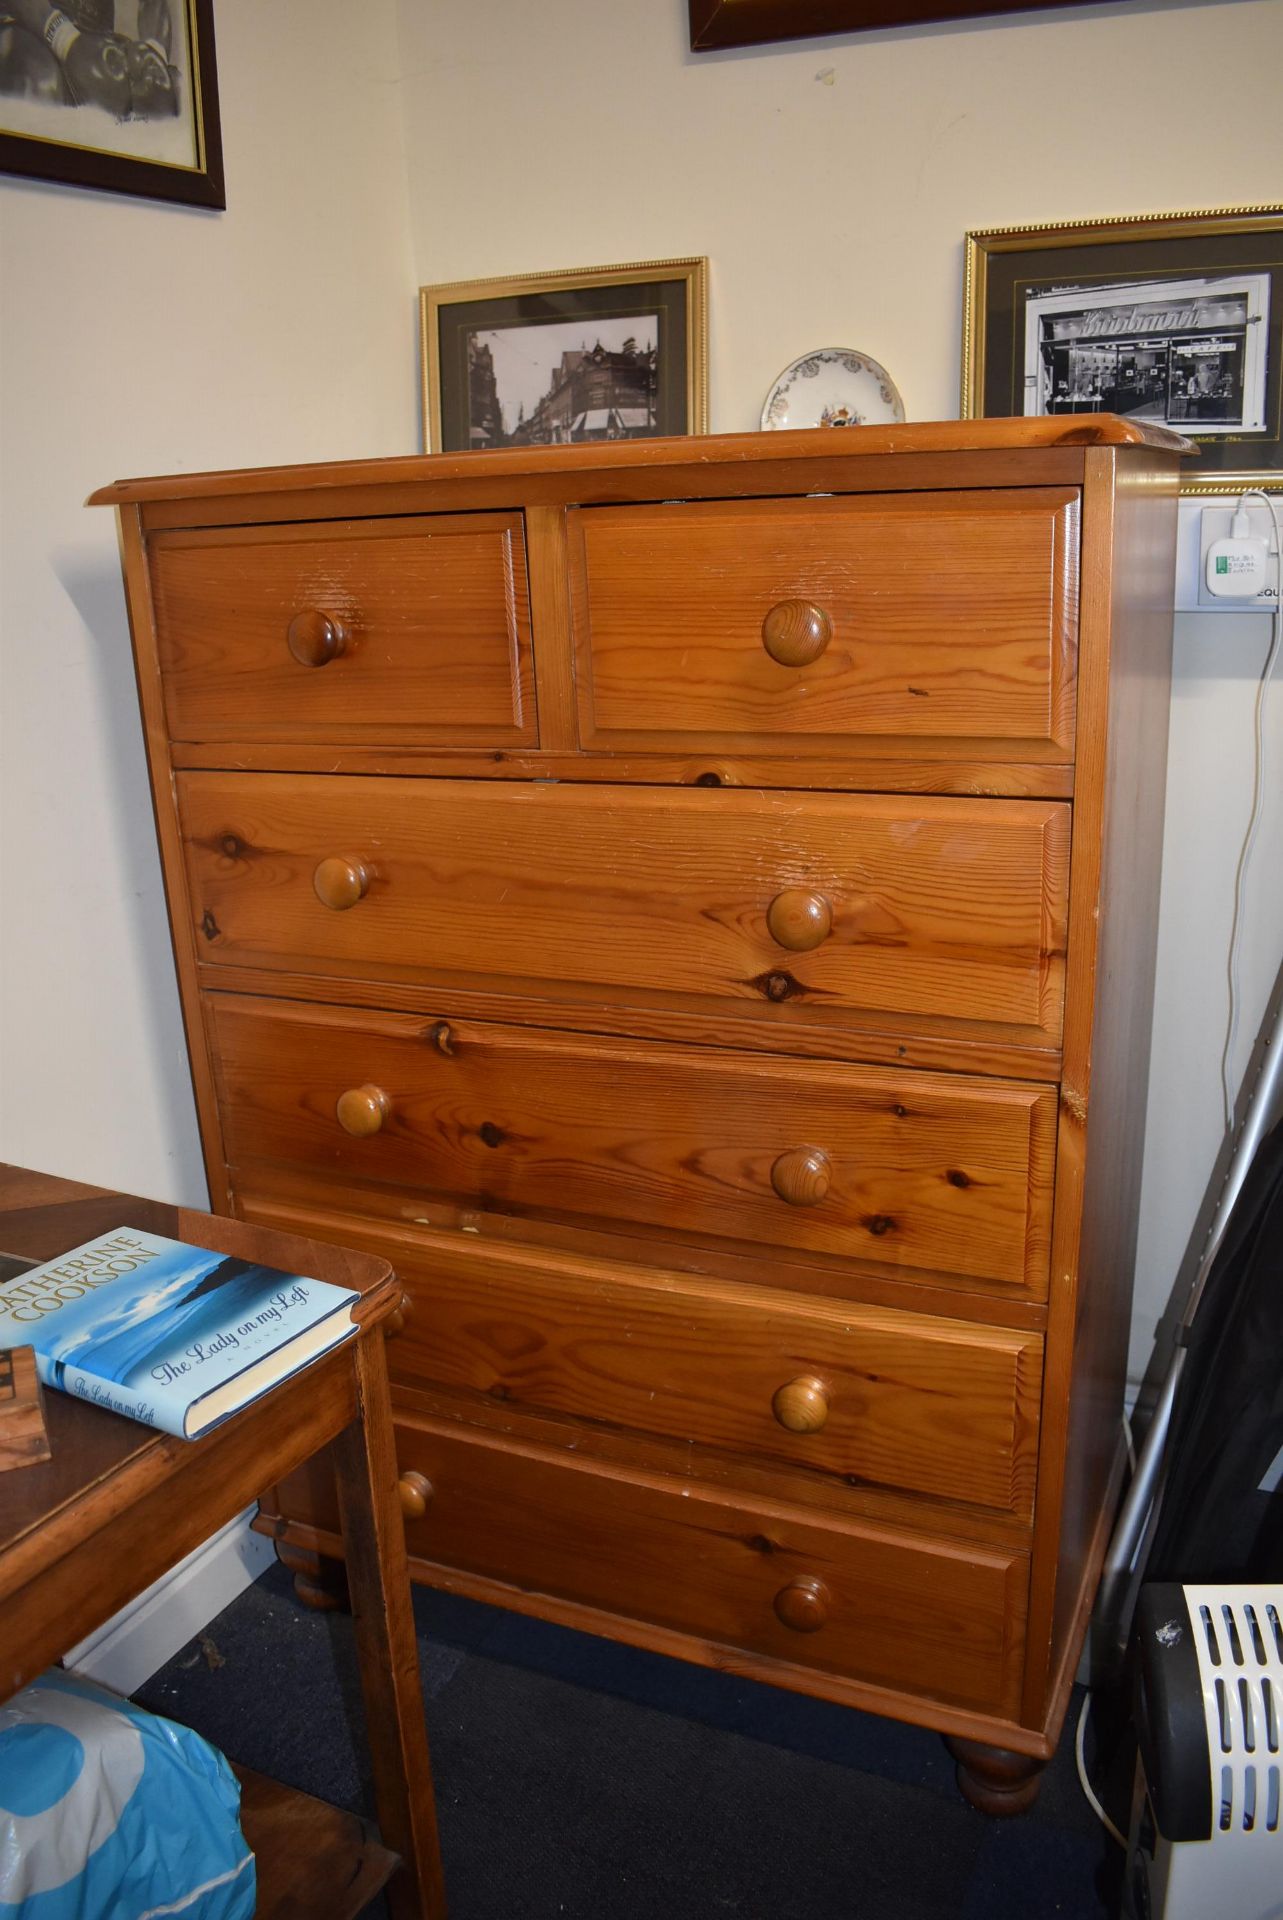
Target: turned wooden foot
[(995, 1780), (319, 1581)]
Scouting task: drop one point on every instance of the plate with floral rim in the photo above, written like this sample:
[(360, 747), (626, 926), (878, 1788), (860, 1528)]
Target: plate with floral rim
[(833, 387)]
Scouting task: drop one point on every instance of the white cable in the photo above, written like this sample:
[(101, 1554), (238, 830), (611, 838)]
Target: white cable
[(1258, 802), (1085, 1783)]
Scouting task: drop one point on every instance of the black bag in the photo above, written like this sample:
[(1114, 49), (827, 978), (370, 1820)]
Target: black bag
[(1227, 1416)]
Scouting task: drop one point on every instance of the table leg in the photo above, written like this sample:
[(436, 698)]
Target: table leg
[(378, 1578)]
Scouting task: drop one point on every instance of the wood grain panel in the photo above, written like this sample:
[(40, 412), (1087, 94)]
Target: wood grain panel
[(303, 1545), (1011, 451), (483, 486), (862, 765), (151, 700), (909, 1401), (424, 1228), (1129, 557), (434, 620), (925, 1172), (932, 1617), (934, 1042), (309, 1857), (940, 907), (950, 617)]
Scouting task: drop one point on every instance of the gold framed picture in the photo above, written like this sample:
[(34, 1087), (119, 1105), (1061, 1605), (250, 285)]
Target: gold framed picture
[(588, 353), (1175, 319)]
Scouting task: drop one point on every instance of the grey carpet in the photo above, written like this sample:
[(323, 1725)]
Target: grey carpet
[(580, 1780)]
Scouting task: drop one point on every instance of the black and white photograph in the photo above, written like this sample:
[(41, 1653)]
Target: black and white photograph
[(559, 359), (1174, 319), (1183, 353), (562, 381), (112, 94)]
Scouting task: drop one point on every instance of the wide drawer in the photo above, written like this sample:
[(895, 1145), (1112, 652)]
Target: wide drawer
[(941, 622), (938, 1619), (862, 1396), (920, 1173), (410, 631), (944, 914)]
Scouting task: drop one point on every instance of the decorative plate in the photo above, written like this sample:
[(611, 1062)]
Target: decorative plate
[(833, 387)]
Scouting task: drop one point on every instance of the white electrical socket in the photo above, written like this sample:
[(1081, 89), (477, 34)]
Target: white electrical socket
[(1216, 525)]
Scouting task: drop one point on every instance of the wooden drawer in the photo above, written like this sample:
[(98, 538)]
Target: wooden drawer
[(945, 915), (922, 1173), (940, 1619), (944, 622), (862, 1395), (429, 618)]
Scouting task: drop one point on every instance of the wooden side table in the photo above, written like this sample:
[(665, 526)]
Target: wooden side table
[(118, 1504)]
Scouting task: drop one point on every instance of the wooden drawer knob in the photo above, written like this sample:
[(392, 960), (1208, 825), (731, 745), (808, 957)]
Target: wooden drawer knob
[(795, 632), (341, 883), (803, 1604), (399, 1315), (799, 920), (362, 1110), (802, 1176), (415, 1492), (315, 638), (802, 1405)]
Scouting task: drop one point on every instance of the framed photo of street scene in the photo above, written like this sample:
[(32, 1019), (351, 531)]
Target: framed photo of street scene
[(1175, 319), (120, 95), (591, 353)]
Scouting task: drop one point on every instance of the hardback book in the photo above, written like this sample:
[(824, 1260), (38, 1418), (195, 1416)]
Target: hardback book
[(174, 1335), (23, 1440)]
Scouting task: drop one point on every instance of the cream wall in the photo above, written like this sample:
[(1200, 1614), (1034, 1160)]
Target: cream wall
[(830, 183), (141, 338), (579, 132)]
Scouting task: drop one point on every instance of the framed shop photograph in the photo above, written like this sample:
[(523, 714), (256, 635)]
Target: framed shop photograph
[(119, 95), (1175, 319), (591, 353)]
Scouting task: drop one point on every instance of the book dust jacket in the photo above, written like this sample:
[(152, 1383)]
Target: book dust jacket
[(170, 1334)]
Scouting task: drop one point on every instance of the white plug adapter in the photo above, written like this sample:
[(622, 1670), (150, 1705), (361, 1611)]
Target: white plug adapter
[(1239, 568)]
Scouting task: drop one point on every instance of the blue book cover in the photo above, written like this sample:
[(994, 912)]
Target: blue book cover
[(170, 1334)]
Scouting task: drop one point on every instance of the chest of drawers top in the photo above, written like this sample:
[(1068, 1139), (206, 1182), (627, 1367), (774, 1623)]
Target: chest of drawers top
[(877, 610)]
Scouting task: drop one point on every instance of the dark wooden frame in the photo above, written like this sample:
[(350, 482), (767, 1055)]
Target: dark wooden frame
[(754, 23), (73, 166), (1001, 262)]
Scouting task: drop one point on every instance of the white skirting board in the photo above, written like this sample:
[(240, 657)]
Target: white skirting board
[(138, 1640)]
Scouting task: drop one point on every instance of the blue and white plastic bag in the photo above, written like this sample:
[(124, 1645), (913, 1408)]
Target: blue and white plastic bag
[(109, 1813)]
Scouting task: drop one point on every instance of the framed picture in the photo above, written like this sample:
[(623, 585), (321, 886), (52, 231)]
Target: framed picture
[(115, 94), (1176, 319), (753, 23), (595, 353)]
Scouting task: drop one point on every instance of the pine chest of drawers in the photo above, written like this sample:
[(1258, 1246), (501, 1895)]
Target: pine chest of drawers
[(691, 905)]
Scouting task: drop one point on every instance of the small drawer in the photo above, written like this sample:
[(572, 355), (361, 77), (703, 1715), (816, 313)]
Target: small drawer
[(942, 623), (391, 631), (931, 914), (868, 1397), (918, 1173), (935, 1618)]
